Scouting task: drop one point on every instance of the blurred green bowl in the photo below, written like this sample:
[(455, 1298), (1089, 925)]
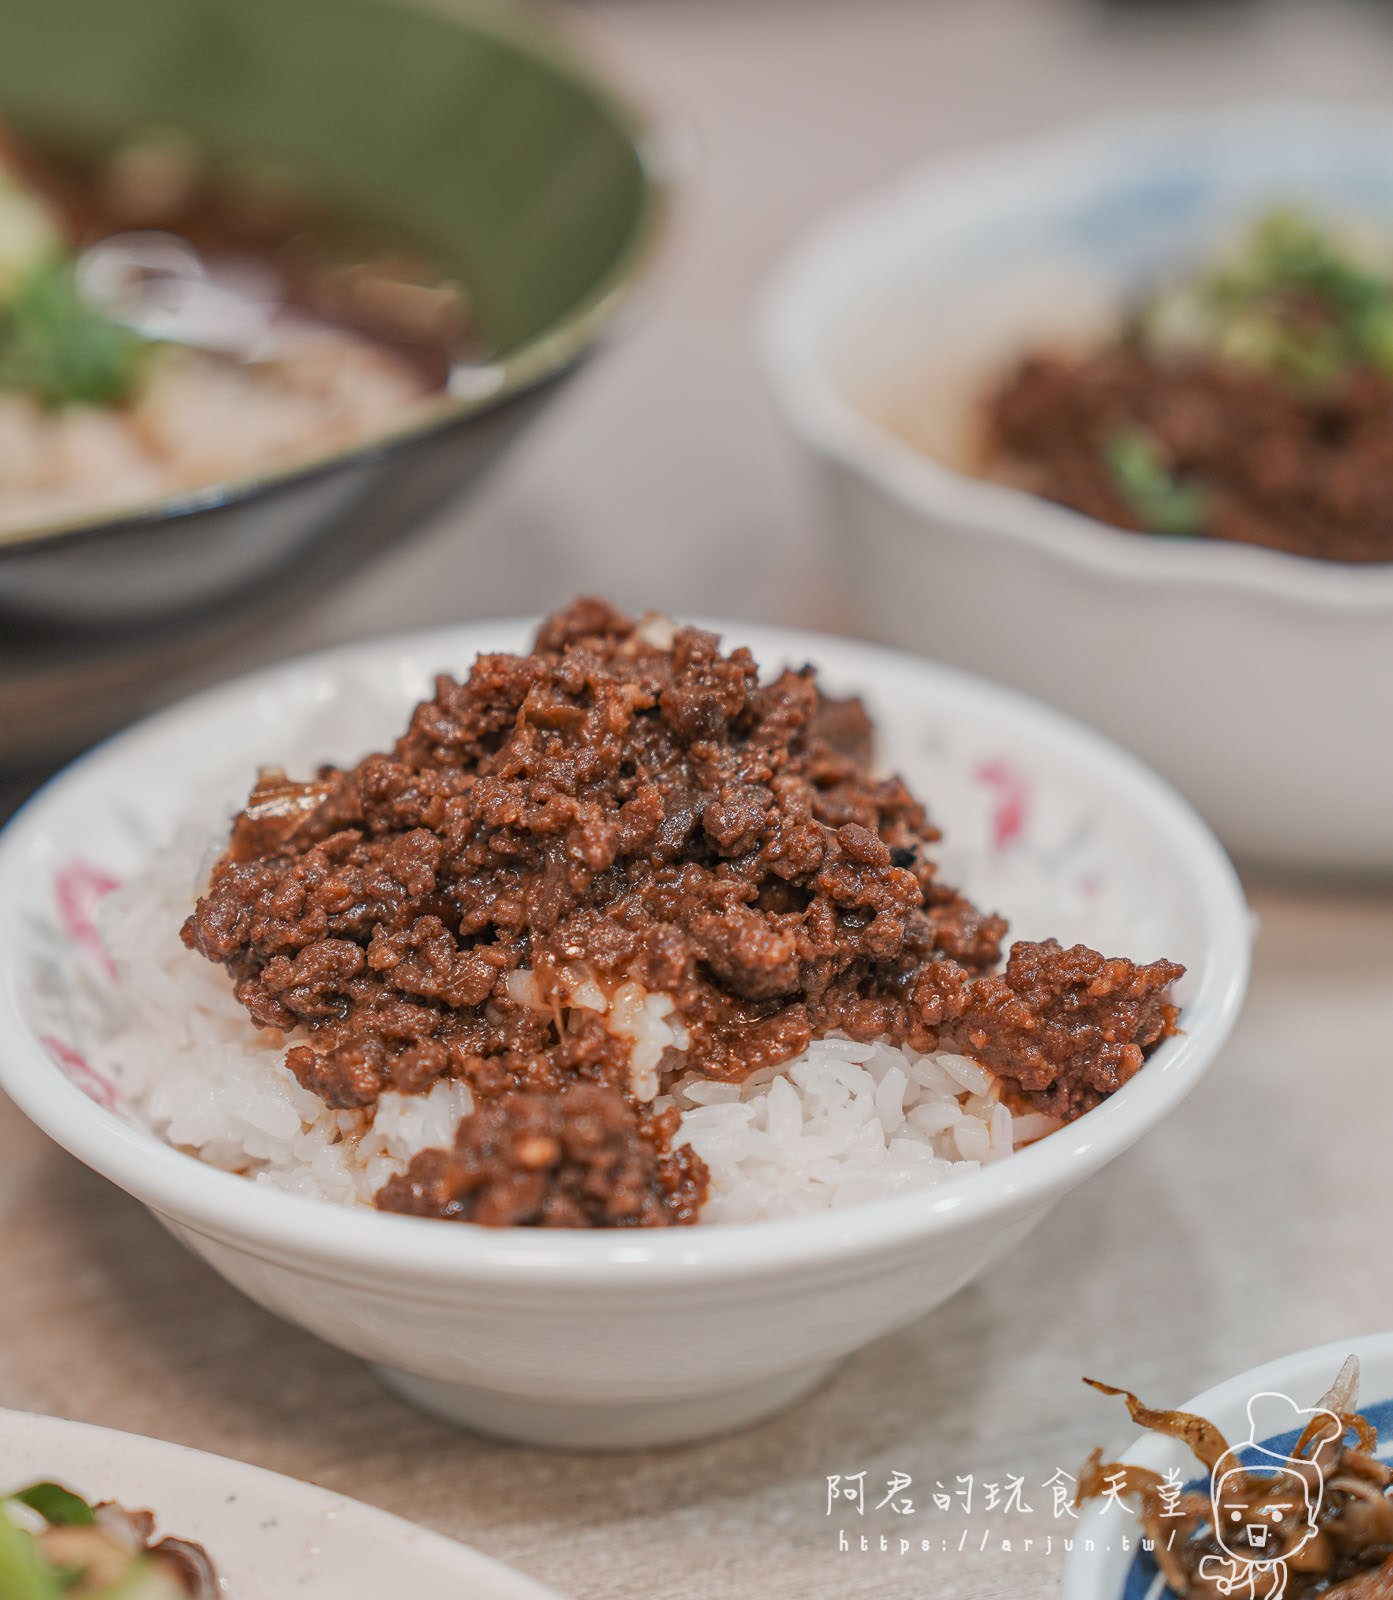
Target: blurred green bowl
[(472, 127)]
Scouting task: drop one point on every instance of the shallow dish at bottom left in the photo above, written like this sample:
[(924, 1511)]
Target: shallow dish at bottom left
[(269, 1537)]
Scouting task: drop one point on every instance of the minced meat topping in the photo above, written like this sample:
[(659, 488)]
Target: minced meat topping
[(627, 810), (1249, 402), (1204, 448)]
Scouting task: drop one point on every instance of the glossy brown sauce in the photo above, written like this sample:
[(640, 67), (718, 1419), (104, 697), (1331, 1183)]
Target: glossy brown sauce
[(628, 808)]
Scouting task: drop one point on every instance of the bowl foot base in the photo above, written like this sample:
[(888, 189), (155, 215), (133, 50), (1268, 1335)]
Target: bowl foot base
[(602, 1425)]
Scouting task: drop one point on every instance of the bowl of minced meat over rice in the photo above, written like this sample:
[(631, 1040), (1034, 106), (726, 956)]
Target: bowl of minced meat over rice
[(614, 1047)]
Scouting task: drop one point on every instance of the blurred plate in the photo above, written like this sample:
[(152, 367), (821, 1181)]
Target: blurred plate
[(270, 1537), (477, 131)]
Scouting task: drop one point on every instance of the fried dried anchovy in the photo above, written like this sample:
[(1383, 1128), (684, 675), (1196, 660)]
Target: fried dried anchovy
[(1325, 1512)]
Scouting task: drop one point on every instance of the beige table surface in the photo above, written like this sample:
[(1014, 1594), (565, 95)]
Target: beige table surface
[(1235, 1233)]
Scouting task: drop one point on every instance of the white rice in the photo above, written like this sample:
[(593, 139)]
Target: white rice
[(198, 419), (843, 1123)]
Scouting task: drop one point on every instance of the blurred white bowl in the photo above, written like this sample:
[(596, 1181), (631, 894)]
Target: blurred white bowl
[(271, 1538), (1255, 681), (1105, 1563), (617, 1338)]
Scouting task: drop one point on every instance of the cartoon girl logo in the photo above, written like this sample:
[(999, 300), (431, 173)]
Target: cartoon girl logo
[(1266, 1505)]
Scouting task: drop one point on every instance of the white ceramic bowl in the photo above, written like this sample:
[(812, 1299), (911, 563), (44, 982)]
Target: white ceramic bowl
[(1113, 1569), (619, 1338), (271, 1538), (1255, 681)]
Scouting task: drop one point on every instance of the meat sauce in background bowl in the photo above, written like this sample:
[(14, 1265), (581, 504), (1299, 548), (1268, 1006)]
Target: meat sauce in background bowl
[(605, 1326), (1249, 676)]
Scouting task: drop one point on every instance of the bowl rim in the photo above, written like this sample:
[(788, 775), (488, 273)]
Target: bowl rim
[(841, 256), (552, 41), (275, 1224), (1084, 1569)]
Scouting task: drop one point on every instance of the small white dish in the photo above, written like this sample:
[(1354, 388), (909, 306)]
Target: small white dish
[(1252, 679), (619, 1338), (1105, 1564), (270, 1537)]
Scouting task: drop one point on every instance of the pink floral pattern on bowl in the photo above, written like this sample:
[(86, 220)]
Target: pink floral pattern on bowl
[(73, 980), (1011, 800), (78, 888)]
